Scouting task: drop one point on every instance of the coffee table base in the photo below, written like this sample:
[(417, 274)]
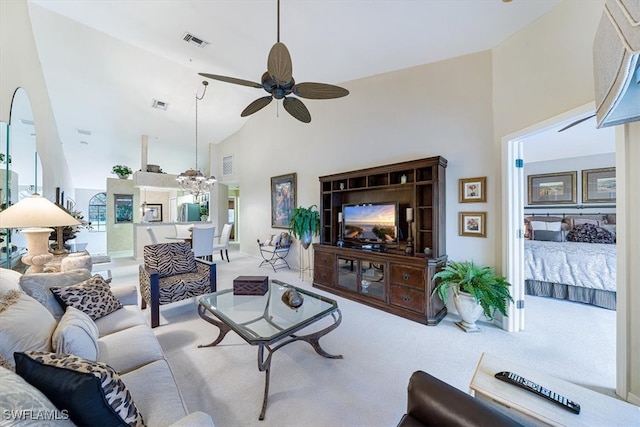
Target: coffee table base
[(264, 364)]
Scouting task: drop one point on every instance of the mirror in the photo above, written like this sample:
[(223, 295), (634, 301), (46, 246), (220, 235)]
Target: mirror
[(21, 169)]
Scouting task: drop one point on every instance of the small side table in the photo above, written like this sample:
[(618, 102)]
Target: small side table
[(595, 409)]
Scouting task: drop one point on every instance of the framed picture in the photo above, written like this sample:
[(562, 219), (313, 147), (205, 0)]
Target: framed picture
[(472, 224), (153, 212), (283, 199), (123, 204), (472, 190), (552, 188), (599, 185)]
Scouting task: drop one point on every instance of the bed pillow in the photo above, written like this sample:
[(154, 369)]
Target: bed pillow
[(24, 325), (549, 236), (546, 225), (76, 334), (91, 392), (589, 233), (93, 296)]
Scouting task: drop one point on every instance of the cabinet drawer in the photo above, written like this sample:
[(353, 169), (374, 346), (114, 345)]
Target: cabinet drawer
[(322, 259), (408, 276), (323, 276), (407, 298)]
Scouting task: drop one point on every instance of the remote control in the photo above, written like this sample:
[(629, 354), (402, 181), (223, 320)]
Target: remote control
[(526, 384)]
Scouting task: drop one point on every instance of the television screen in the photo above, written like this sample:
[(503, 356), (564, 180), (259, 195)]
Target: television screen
[(371, 222)]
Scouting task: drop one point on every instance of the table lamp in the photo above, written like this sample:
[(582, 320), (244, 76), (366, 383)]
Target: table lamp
[(34, 214)]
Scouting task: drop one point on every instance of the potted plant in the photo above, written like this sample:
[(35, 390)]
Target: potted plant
[(476, 290), (204, 213), (304, 224), (123, 171)]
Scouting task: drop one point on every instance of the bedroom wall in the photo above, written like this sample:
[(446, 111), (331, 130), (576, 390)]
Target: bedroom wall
[(577, 164), (436, 109)]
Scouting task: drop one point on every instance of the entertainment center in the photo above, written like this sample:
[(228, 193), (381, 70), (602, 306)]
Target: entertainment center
[(382, 237)]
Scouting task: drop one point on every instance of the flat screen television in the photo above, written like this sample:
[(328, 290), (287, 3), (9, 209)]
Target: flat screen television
[(371, 222)]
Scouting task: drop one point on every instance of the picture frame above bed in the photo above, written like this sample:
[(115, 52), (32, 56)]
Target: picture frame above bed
[(599, 185), (552, 188)]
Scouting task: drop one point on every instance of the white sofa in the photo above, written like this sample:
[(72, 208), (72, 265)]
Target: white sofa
[(125, 342)]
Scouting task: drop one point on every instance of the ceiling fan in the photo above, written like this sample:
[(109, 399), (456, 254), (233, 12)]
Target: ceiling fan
[(279, 83)]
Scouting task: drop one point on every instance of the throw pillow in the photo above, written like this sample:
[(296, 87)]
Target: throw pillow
[(24, 325), (76, 334), (276, 240), (589, 233), (548, 236), (93, 296), (38, 285), (169, 259), (545, 225), (91, 392), (20, 397), (285, 240)]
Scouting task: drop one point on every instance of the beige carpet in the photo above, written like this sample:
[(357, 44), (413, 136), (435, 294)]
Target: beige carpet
[(368, 386)]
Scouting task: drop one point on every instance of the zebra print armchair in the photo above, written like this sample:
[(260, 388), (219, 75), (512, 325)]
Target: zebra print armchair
[(171, 273)]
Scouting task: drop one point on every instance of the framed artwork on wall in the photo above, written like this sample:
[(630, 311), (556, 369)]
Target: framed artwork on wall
[(472, 190), (472, 224), (153, 212), (599, 185), (552, 188), (283, 199), (123, 204)]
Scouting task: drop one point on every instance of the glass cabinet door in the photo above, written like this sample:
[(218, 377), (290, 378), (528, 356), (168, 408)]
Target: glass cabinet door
[(348, 273), (372, 278)]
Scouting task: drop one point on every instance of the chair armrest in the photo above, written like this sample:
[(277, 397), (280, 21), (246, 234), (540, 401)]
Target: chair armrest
[(127, 295), (434, 402), (208, 267)]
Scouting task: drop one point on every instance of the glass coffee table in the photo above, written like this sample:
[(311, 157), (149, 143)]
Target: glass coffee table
[(266, 321)]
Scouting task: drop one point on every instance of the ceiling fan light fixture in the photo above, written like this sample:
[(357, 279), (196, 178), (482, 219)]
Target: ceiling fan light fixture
[(278, 81)]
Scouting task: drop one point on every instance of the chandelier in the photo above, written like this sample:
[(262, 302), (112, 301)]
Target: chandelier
[(192, 180)]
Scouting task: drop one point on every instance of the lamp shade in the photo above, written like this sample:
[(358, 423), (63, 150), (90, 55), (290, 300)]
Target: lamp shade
[(35, 211)]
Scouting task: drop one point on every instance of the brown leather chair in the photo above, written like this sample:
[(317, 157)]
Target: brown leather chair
[(432, 402)]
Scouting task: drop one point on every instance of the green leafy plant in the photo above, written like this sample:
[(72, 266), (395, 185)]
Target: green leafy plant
[(121, 170), (204, 211), (303, 220), (488, 289)]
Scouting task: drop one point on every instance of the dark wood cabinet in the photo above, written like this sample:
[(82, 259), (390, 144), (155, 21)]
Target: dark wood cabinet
[(391, 279)]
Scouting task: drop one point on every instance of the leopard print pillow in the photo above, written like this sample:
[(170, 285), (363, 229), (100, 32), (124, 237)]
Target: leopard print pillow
[(93, 296), (91, 392)]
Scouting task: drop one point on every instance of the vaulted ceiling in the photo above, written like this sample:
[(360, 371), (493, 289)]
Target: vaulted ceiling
[(105, 61)]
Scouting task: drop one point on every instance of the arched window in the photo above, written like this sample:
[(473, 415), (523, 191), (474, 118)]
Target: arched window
[(98, 212)]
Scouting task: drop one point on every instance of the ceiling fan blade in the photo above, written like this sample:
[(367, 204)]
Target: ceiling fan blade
[(319, 91), (576, 122), (279, 63), (297, 109), (231, 80), (256, 105)]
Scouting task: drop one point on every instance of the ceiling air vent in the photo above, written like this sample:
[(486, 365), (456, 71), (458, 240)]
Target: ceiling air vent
[(160, 105), (84, 132), (227, 165), (190, 38)]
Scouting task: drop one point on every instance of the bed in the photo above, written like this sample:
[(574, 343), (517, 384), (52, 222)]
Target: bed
[(580, 271)]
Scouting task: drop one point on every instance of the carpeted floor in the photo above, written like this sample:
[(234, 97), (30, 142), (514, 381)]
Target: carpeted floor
[(576, 342)]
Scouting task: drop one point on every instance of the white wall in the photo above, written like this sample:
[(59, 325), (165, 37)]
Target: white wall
[(438, 109), (20, 67)]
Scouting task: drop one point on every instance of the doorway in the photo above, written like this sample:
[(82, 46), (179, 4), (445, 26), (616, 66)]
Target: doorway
[(514, 191)]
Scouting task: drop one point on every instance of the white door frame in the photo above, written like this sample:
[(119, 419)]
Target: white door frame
[(513, 190)]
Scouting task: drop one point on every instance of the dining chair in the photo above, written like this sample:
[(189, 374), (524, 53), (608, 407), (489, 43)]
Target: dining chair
[(223, 241), (152, 236), (202, 242), (183, 231)]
